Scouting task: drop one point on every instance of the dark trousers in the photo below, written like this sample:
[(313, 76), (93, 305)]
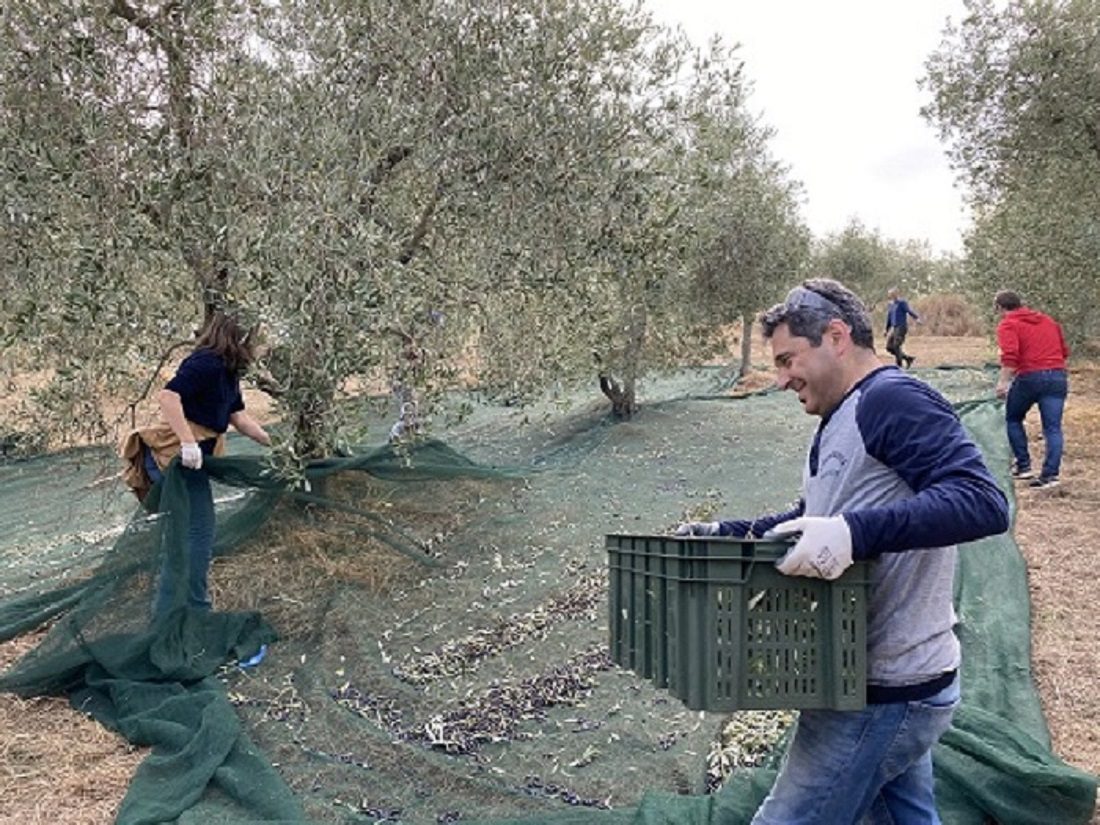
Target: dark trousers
[(1048, 389), (894, 339)]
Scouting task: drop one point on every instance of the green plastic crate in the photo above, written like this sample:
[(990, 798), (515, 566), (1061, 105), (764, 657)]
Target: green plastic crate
[(715, 623)]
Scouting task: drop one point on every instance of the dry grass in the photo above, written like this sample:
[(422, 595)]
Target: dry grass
[(58, 767), (947, 315), (294, 562), (955, 350)]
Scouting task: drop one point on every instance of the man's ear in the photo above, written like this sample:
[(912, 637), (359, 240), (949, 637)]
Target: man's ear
[(839, 334)]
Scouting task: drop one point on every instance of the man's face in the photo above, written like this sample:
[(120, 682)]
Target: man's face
[(814, 373)]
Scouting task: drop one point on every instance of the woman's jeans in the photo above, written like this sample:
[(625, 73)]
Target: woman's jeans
[(864, 766), (200, 542), (1048, 389)]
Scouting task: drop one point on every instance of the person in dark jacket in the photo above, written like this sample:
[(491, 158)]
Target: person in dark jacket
[(891, 477), (199, 404), (898, 313), (1033, 372)]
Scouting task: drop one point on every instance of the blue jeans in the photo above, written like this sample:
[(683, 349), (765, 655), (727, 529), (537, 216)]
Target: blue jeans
[(200, 542), (1048, 389), (864, 766)]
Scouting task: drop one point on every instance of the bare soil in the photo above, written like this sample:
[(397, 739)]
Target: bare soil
[(58, 767)]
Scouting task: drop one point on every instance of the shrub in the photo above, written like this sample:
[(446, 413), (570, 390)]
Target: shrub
[(947, 314)]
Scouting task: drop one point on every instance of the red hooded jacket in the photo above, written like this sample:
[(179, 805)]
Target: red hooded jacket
[(1031, 341)]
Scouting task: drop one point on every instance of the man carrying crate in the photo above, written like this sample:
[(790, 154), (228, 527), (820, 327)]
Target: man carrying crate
[(891, 477)]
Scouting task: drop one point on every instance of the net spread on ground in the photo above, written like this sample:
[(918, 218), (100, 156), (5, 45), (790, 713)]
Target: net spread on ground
[(436, 625)]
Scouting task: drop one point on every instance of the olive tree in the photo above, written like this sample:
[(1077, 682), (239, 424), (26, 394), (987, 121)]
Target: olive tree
[(1016, 97), (521, 183), (860, 258), (352, 173), (692, 227), (91, 264), (750, 241), (405, 194)]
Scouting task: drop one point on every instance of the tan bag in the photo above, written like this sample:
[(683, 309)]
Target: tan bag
[(163, 443)]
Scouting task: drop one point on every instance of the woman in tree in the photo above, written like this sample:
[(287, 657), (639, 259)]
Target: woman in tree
[(198, 405)]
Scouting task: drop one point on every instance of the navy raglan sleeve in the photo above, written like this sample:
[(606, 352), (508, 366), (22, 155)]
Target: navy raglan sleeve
[(912, 429)]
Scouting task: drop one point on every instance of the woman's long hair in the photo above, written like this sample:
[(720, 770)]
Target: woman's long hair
[(225, 336)]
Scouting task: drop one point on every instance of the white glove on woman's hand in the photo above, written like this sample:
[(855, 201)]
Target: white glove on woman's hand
[(191, 455), (823, 552), (699, 528)]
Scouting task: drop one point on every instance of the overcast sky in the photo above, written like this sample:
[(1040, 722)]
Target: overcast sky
[(837, 80)]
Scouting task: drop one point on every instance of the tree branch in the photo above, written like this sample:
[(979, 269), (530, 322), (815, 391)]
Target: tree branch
[(421, 231), (385, 164), (132, 405), (179, 73), (383, 167), (269, 386), (146, 24)]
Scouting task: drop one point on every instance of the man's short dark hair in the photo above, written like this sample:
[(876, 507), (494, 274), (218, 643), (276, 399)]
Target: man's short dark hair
[(809, 308), (1008, 300)]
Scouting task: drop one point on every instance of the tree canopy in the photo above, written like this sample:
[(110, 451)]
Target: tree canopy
[(1016, 97), (872, 265), (404, 194)]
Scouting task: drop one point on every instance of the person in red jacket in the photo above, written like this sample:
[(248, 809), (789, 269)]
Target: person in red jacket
[(1033, 371)]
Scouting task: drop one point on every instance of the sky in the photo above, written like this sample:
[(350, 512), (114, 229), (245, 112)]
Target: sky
[(837, 80)]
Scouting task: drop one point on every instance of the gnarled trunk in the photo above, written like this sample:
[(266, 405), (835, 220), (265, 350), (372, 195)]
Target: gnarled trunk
[(624, 401)]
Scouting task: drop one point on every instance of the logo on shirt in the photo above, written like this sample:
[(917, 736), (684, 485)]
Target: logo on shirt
[(832, 465)]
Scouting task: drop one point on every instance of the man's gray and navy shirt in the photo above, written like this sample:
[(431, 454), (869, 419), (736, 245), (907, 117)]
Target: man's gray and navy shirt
[(894, 459)]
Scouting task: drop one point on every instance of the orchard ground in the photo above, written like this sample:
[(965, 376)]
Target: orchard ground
[(60, 768)]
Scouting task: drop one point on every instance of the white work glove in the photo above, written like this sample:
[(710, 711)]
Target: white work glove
[(191, 455), (823, 552), (699, 528)]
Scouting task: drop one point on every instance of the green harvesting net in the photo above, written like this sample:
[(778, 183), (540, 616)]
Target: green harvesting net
[(434, 622)]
